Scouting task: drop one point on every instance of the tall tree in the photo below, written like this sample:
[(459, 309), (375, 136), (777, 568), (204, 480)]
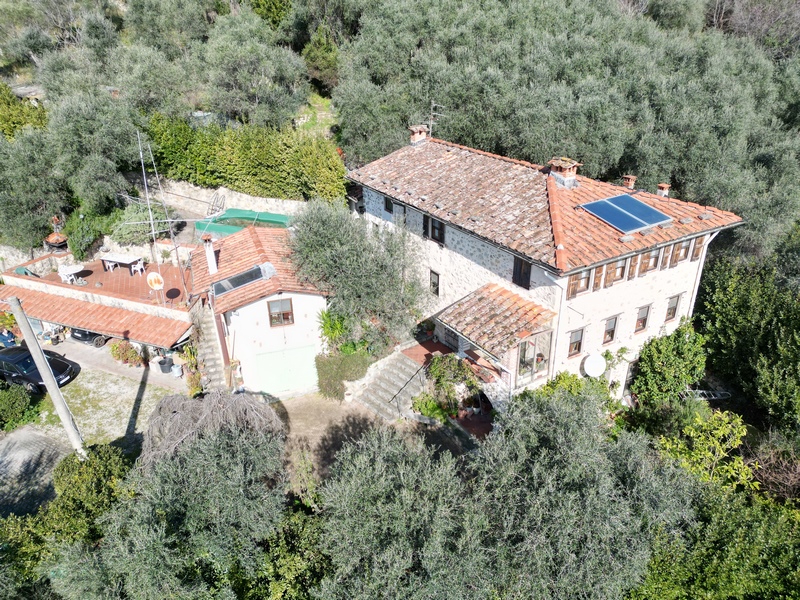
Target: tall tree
[(251, 77), (32, 188)]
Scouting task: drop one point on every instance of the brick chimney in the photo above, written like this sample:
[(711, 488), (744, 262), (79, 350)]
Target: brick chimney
[(419, 133), (211, 258), (663, 189), (564, 170), (629, 181)]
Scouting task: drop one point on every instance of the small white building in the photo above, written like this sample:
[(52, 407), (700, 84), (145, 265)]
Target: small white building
[(267, 320), (536, 270)]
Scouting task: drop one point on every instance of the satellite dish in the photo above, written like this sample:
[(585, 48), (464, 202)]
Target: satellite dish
[(594, 365), (155, 281)]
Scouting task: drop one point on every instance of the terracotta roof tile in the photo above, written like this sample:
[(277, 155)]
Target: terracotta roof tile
[(521, 208), (459, 184), (115, 322), (242, 251), (495, 318)]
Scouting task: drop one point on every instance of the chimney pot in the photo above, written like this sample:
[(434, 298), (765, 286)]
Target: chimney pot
[(629, 181), (663, 189), (211, 258), (419, 133)]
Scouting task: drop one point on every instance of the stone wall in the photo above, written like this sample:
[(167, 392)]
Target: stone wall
[(195, 199), (464, 263), (11, 257)]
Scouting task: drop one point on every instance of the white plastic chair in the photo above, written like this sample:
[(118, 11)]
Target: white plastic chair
[(111, 265), (67, 278), (138, 267)]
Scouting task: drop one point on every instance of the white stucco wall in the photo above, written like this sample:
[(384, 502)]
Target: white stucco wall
[(464, 263), (590, 310), (250, 339)]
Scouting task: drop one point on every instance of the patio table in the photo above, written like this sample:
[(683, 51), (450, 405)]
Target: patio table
[(69, 271), (119, 259)]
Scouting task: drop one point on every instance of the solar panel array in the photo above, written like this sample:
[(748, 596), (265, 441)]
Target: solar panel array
[(626, 213)]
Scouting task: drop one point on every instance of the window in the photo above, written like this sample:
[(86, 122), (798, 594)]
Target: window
[(388, 205), (280, 313), (615, 271), (649, 262), (434, 283), (610, 332), (534, 357), (437, 231), (641, 319), (575, 342), (698, 247), (672, 308), (522, 273), (579, 282), (683, 250), (451, 338)]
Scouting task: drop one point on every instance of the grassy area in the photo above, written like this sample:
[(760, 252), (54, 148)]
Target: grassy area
[(317, 116), (105, 407), (333, 370)]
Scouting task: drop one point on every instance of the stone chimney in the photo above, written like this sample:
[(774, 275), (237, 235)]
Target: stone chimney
[(211, 258), (419, 133), (564, 170), (629, 181), (663, 189)]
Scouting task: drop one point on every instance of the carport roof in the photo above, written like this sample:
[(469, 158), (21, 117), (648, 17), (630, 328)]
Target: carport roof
[(111, 321)]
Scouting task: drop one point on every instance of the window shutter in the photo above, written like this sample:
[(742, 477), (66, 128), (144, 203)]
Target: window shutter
[(572, 286), (666, 253), (611, 270), (426, 222), (598, 278), (644, 264), (698, 247), (676, 254), (633, 265)]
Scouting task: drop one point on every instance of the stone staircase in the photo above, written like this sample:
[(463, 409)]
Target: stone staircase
[(389, 383), (209, 353)]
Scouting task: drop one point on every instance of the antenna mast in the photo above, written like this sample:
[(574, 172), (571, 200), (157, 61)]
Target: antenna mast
[(433, 115)]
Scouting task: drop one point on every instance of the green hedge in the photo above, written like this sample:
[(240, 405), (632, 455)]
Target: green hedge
[(16, 408), (333, 370), (249, 159)]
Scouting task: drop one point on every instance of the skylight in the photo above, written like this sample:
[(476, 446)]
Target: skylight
[(257, 273), (626, 213)]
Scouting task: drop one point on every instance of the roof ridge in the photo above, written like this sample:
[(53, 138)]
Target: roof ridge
[(555, 224), (515, 161)]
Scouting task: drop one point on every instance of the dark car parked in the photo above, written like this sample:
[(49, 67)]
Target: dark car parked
[(17, 366), (89, 337)]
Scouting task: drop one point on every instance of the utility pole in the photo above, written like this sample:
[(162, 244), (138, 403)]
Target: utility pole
[(43, 366)]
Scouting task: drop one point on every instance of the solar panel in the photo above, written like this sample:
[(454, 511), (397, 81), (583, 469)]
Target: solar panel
[(640, 210), (626, 213)]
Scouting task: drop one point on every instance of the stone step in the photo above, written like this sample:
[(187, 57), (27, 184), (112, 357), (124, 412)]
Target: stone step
[(383, 410)]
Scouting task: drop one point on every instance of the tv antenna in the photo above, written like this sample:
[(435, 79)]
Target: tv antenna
[(432, 118)]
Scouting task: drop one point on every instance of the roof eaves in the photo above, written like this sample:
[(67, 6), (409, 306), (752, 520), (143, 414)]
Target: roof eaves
[(630, 253)]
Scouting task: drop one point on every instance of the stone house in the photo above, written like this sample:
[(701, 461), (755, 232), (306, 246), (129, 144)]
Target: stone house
[(537, 270), (265, 320)]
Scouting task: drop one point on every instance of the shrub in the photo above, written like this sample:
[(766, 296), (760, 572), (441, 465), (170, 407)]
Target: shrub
[(333, 370), (16, 114), (15, 407), (447, 371), (426, 405), (249, 159), (124, 351)]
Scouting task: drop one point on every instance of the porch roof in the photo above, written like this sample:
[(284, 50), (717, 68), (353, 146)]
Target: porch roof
[(494, 318), (112, 321)]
